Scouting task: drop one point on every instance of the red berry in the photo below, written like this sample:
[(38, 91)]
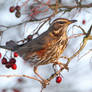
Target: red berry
[(4, 61), (15, 54), (18, 14), (14, 66), (8, 65), (29, 37), (12, 61), (17, 7), (12, 9), (0, 55), (58, 79), (83, 22)]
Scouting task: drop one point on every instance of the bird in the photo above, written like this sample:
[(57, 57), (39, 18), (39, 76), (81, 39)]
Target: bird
[(48, 47)]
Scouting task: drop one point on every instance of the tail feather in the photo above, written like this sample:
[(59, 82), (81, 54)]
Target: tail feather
[(11, 45)]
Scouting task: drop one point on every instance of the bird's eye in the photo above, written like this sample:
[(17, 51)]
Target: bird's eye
[(61, 22)]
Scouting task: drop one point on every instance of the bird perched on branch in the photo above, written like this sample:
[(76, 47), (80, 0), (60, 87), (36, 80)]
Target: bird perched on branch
[(48, 47)]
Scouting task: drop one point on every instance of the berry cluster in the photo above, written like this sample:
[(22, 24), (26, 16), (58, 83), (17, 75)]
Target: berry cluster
[(11, 63), (17, 8)]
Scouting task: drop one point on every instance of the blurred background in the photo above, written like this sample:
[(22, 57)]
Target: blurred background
[(79, 77)]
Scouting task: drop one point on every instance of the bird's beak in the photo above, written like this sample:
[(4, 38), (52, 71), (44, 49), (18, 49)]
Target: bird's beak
[(72, 21)]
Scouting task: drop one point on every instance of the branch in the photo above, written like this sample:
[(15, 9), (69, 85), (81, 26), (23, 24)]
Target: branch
[(5, 47), (27, 21), (76, 35), (53, 6), (21, 76)]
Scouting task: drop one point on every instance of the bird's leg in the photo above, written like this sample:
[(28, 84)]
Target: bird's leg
[(36, 72), (44, 81)]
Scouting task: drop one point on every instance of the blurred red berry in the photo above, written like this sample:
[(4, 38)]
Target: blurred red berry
[(18, 14), (4, 61), (15, 90), (3, 90), (0, 55), (8, 65), (15, 54), (83, 21), (14, 66), (58, 79), (12, 61), (29, 37), (17, 7), (20, 80), (12, 9)]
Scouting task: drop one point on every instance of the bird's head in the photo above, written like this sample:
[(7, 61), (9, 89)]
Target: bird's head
[(63, 21), (60, 25)]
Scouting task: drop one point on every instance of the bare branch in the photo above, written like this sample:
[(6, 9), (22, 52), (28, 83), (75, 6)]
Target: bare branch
[(71, 7), (9, 76)]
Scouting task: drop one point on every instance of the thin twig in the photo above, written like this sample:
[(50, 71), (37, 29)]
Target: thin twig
[(52, 6), (85, 54), (76, 35), (8, 76), (80, 28)]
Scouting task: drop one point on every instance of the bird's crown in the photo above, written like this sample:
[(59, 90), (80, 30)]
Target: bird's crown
[(63, 21)]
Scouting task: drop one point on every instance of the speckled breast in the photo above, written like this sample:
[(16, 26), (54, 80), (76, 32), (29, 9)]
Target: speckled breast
[(52, 53)]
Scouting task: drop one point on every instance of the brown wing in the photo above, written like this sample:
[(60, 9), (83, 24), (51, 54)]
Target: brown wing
[(30, 47), (36, 44)]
